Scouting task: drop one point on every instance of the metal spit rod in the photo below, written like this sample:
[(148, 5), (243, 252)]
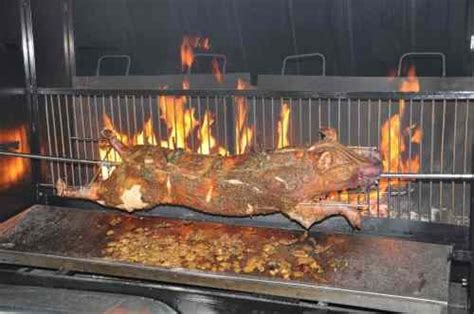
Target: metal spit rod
[(427, 176)]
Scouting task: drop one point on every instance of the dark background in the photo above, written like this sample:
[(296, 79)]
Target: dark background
[(359, 38)]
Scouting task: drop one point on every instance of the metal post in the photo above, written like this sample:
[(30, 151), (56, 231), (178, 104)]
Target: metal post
[(27, 43), (471, 244), (68, 39)]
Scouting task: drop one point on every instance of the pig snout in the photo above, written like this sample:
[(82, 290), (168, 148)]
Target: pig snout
[(370, 172)]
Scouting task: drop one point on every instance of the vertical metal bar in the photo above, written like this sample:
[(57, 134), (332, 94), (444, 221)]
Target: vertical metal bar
[(208, 125), (329, 112), (464, 183), (443, 129), (191, 117), (97, 127), (263, 115), (145, 139), (61, 127), (254, 110), (226, 131), (369, 121), (431, 155), (301, 122), (319, 113), (158, 108), (91, 136), (389, 197), (71, 153), (273, 122), (349, 126), (358, 122), (247, 123), (410, 119), (471, 240), (48, 130), (81, 108), (119, 111), (454, 156), (399, 157), (56, 150), (379, 122), (113, 121), (218, 133), (134, 110), (420, 153), (199, 115), (310, 120), (127, 119), (76, 134), (339, 116)]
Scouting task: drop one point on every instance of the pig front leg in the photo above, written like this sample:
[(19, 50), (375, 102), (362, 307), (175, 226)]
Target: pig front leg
[(87, 193), (308, 213)]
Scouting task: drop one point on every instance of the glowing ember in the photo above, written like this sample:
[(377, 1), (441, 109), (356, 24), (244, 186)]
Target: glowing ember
[(217, 71), (14, 169), (283, 127), (243, 133)]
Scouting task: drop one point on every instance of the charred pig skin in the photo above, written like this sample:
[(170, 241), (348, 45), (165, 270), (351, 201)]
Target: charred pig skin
[(291, 181)]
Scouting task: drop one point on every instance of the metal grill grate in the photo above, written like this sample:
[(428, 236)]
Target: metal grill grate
[(439, 190)]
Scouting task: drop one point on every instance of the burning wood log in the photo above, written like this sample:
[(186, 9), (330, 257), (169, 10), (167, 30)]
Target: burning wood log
[(292, 181)]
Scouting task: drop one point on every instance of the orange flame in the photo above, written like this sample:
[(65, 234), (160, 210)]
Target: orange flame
[(393, 145), (14, 169), (207, 140), (217, 71), (188, 45), (179, 120), (283, 127), (243, 133)]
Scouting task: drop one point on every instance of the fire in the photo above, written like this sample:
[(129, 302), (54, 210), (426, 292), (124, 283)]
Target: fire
[(179, 120), (188, 45), (393, 150), (283, 127), (217, 71), (147, 136), (13, 169), (207, 140), (243, 133)]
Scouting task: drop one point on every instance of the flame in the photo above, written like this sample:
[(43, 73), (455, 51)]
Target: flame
[(180, 121), (217, 71), (243, 133), (207, 140), (147, 136), (283, 126), (188, 45), (14, 169), (393, 146)]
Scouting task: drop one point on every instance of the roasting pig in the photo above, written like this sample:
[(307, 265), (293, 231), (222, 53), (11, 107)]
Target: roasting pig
[(291, 181)]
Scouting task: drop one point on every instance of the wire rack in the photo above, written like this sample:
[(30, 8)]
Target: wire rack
[(427, 171)]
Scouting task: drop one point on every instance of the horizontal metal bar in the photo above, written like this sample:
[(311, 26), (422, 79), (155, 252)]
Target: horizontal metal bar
[(60, 159), (12, 91), (258, 93), (429, 176)]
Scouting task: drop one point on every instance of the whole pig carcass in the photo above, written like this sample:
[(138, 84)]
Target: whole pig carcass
[(293, 181)]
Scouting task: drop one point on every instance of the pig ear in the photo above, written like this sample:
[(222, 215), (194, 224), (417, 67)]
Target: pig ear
[(325, 161), (109, 135), (328, 134)]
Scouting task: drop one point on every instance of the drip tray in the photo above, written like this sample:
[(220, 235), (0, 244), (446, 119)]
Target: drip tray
[(354, 270)]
